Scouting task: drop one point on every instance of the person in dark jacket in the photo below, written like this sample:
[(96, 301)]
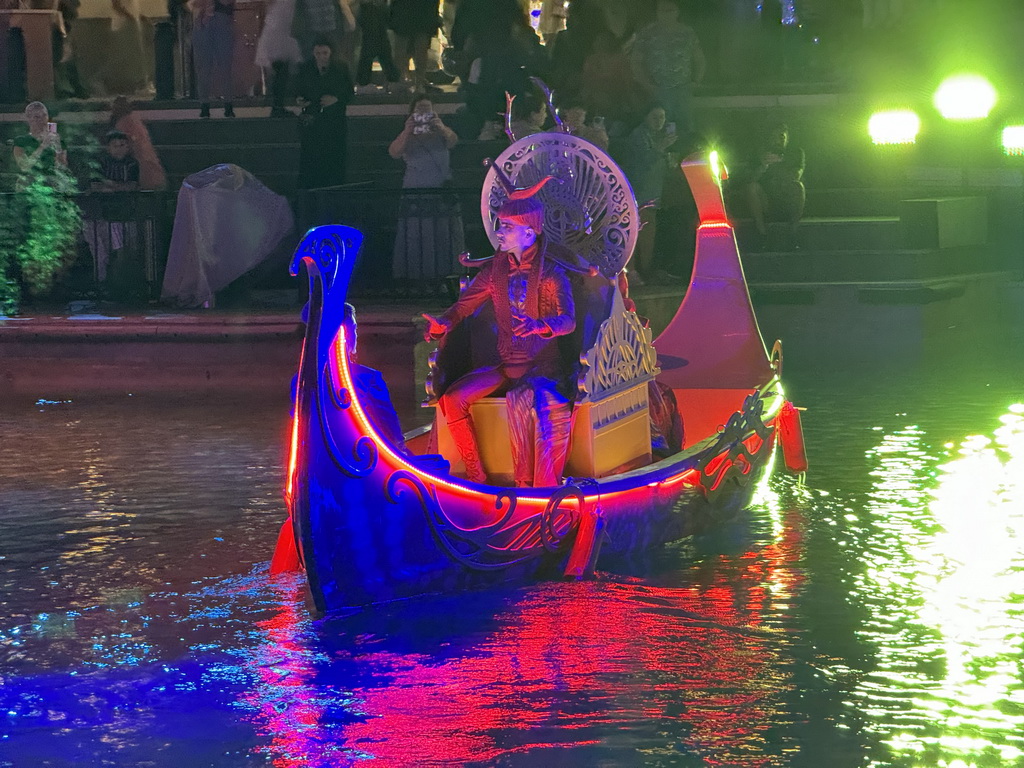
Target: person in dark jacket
[(324, 87)]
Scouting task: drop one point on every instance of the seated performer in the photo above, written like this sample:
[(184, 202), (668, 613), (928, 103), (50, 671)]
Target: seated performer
[(533, 305)]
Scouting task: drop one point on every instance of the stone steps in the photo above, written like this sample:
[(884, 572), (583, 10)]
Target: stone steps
[(805, 266)]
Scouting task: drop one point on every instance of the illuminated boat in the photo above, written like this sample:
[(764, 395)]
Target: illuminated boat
[(376, 516)]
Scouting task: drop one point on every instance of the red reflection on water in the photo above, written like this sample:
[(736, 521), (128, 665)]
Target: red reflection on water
[(289, 706), (571, 665)]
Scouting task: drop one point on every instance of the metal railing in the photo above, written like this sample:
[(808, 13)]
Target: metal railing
[(121, 245), (413, 236)]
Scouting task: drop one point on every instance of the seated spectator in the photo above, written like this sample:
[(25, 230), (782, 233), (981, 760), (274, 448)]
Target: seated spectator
[(118, 168), (769, 185), (105, 228), (529, 113), (574, 118), (645, 162), (125, 120)]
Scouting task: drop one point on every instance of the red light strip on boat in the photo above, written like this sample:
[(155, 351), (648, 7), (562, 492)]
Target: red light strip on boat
[(367, 428), (714, 225), (689, 477), (293, 459)]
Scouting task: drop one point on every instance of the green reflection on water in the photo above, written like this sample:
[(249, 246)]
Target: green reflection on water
[(942, 591)]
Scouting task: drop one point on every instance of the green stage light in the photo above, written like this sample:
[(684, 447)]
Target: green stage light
[(894, 126), (1013, 140), (717, 166), (965, 97)]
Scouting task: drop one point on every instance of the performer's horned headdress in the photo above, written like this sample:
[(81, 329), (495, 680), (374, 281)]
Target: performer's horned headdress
[(522, 205)]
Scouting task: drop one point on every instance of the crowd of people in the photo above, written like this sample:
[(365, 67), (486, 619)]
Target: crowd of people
[(623, 78)]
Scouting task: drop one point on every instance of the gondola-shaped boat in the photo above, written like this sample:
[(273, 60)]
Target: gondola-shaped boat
[(375, 516)]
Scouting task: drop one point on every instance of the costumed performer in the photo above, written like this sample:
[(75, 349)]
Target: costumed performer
[(533, 305)]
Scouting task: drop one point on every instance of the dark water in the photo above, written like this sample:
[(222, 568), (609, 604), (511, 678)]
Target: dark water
[(874, 617)]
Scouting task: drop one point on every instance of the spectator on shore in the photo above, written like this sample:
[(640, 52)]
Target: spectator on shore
[(39, 152), (108, 233), (552, 19), (124, 119), (645, 163), (769, 186), (278, 50), (213, 45), (41, 225), (569, 49), (608, 85), (325, 20), (430, 235), (667, 59), (415, 23), (574, 118), (119, 169), (503, 57), (529, 113), (66, 81), (324, 91), (373, 23)]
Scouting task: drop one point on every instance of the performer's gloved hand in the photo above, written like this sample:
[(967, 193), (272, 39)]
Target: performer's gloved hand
[(436, 328), (528, 326)]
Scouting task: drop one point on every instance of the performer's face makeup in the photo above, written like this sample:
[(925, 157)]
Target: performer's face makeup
[(514, 237)]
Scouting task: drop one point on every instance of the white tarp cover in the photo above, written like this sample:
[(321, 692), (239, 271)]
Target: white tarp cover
[(227, 222)]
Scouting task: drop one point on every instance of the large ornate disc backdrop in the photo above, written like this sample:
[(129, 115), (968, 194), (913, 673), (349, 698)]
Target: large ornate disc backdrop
[(592, 211)]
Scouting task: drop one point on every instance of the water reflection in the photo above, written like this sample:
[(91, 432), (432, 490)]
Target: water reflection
[(614, 670), (854, 627), (942, 587)]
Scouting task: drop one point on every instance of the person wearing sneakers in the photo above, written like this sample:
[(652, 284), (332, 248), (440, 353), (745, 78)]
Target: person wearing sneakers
[(529, 289)]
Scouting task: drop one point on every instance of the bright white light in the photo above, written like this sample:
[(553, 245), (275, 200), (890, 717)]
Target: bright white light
[(1013, 140), (965, 97), (896, 126)]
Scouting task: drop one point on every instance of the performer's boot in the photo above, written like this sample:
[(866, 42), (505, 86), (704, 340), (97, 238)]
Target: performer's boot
[(465, 440), (522, 431)]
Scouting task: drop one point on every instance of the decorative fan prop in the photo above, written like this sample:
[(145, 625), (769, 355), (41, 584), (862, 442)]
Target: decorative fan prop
[(591, 211)]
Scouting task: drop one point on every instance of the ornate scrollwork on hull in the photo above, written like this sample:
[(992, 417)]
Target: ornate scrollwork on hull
[(622, 355), (730, 457), (592, 211), (503, 543), (364, 453), (328, 247)]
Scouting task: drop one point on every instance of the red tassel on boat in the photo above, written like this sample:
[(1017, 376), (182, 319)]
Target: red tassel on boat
[(286, 554), (586, 546), (791, 438)]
